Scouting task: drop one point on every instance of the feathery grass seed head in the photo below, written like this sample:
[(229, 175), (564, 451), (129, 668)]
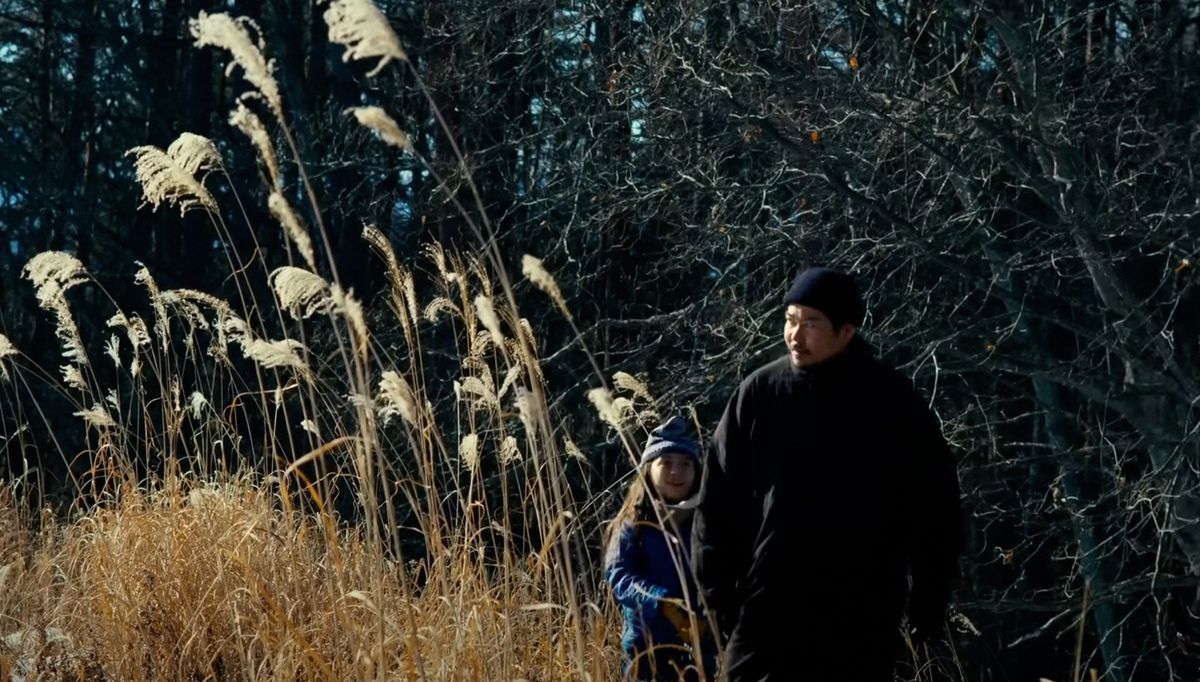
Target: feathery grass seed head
[(196, 404), (97, 416), (572, 449), (73, 377), (252, 127), (112, 348), (527, 410), (166, 179), (510, 453), (385, 126), (395, 398), (536, 272), (401, 280), (6, 349), (510, 378), (627, 382), (351, 308), (362, 28), (487, 315), (441, 305), (52, 273), (292, 227), (475, 390), (602, 400), (281, 353), (468, 451), (194, 153), (300, 292), (161, 325), (230, 34)]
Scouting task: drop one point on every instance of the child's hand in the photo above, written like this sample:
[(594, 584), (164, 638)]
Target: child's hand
[(676, 611)]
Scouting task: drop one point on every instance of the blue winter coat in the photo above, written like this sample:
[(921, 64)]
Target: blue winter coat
[(641, 569)]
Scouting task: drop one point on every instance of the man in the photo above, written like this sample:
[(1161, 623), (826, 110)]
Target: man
[(828, 506)]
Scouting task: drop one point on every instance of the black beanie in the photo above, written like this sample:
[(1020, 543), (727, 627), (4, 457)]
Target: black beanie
[(833, 293)]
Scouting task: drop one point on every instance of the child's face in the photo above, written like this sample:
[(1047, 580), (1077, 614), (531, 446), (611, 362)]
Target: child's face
[(673, 475)]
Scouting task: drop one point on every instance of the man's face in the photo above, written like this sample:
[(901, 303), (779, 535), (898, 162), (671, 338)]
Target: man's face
[(811, 337)]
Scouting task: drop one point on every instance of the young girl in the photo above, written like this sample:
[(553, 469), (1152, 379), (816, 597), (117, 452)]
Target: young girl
[(647, 564)]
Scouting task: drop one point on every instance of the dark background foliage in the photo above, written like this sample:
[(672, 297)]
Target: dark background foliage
[(1012, 182)]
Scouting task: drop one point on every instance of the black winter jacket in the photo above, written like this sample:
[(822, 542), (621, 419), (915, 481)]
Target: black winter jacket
[(826, 490)]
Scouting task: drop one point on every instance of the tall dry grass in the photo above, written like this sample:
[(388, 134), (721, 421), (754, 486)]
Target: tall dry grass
[(264, 490), (206, 541), (208, 580)]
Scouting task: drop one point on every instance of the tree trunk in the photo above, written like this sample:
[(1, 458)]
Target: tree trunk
[(1065, 441)]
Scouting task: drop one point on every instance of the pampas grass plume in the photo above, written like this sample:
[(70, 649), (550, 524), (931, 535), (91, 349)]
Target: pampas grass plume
[(52, 273), (395, 398), (281, 353), (487, 315), (252, 126), (97, 416), (6, 349), (282, 210), (300, 292), (362, 28), (377, 119), (228, 33), (536, 272)]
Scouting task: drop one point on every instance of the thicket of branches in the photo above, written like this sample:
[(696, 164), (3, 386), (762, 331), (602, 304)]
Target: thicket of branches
[(1012, 182)]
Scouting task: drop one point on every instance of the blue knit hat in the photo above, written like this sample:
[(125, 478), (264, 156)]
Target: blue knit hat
[(833, 293), (670, 436)]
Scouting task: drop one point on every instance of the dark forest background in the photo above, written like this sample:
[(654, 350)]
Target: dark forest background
[(1014, 184)]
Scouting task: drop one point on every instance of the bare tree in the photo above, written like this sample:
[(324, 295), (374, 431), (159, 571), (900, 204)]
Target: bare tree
[(1013, 182)]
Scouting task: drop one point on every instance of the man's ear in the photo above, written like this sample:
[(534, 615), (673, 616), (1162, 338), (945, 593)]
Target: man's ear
[(848, 331)]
